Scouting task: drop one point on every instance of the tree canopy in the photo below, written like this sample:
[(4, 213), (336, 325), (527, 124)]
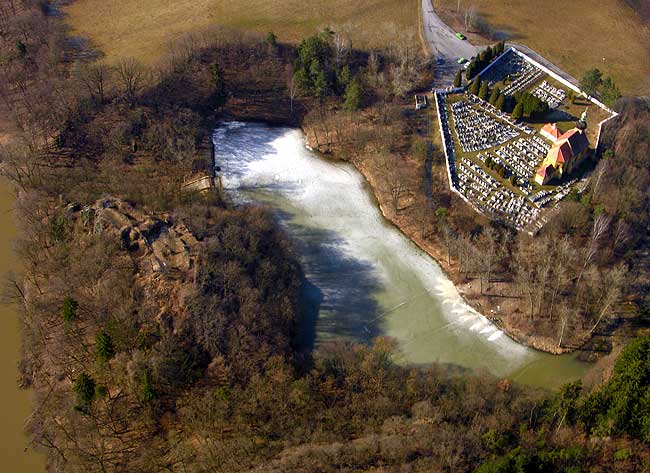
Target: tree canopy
[(594, 82), (623, 404)]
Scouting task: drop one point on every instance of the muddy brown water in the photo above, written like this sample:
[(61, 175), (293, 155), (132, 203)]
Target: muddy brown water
[(413, 300), (15, 454)]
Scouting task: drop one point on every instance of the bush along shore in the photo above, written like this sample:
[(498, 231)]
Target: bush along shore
[(158, 323), (570, 287)]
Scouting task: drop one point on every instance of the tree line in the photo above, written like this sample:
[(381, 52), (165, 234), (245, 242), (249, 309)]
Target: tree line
[(207, 378)]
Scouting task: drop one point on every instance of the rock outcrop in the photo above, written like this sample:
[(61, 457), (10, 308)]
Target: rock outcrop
[(164, 250)]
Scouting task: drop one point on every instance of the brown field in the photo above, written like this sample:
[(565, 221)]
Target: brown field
[(143, 29), (576, 35)]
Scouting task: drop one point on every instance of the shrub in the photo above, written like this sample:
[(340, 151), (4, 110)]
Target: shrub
[(147, 389), (58, 228), (104, 348), (353, 95), (272, 39), (69, 310), (84, 387), (21, 49), (623, 454)]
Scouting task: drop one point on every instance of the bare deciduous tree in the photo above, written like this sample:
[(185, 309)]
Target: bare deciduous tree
[(610, 291), (291, 84), (621, 234), (96, 78), (393, 177), (599, 230), (131, 75)]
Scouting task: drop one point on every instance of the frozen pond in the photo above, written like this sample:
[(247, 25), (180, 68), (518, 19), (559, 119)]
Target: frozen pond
[(364, 278)]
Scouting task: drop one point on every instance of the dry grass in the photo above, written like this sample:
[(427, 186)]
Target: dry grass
[(143, 29), (576, 34)]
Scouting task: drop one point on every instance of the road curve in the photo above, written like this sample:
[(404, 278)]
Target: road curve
[(444, 44)]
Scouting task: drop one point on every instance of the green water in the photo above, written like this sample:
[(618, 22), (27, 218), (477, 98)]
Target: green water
[(363, 277)]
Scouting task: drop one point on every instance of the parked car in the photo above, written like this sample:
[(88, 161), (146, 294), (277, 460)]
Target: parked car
[(460, 36), (440, 61), (462, 60)]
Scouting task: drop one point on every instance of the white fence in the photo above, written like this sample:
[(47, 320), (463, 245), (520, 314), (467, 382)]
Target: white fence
[(563, 81), (439, 101), (449, 155)]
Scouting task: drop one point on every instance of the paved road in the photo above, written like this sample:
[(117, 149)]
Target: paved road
[(444, 45)]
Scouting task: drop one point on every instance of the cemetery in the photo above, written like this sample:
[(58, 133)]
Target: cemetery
[(514, 167)]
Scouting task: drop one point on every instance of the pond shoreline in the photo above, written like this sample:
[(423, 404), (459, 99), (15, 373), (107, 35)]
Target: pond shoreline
[(432, 322), (434, 251), (431, 248)]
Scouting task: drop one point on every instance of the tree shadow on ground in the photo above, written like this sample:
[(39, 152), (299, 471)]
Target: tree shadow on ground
[(337, 291), (337, 295), (554, 116), (500, 32)]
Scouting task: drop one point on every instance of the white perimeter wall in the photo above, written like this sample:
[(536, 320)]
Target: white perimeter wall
[(563, 81)]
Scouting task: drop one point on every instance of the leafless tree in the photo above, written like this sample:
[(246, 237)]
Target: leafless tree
[(423, 212), (449, 238), (524, 260), (470, 18), (562, 261), (131, 75), (597, 177), (486, 255), (96, 78), (393, 177), (610, 291), (621, 234), (291, 85), (342, 47), (21, 165), (465, 252), (599, 230), (601, 225), (545, 262)]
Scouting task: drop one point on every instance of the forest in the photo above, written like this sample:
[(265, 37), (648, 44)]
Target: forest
[(573, 284), (195, 370)]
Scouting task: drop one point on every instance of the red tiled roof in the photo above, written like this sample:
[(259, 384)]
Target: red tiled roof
[(552, 129), (569, 133), (560, 153), (543, 170), (577, 140)]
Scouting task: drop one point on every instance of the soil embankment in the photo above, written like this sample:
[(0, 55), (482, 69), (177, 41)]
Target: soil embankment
[(500, 302)]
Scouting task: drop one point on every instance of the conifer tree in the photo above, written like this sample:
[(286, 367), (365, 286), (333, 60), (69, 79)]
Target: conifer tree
[(501, 102), (458, 78), (475, 87), (494, 96), (483, 91)]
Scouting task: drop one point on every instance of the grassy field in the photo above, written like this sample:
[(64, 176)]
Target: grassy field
[(143, 29), (576, 35)]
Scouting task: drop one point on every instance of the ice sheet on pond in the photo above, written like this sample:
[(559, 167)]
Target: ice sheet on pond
[(363, 277)]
